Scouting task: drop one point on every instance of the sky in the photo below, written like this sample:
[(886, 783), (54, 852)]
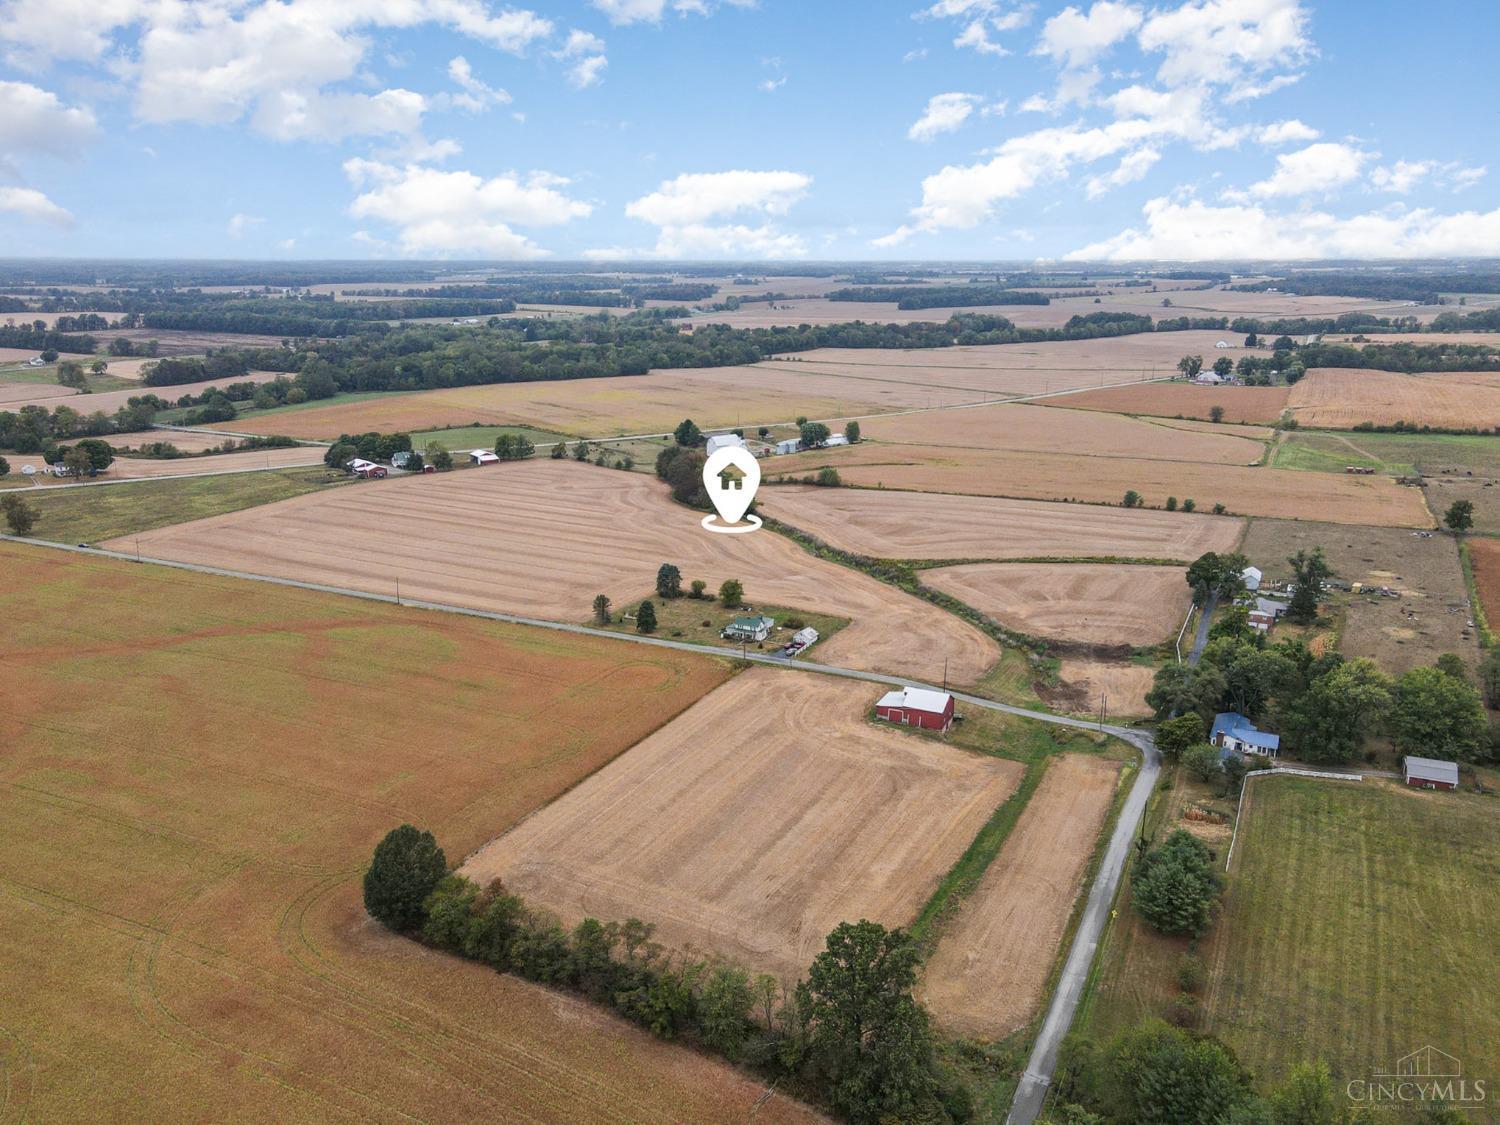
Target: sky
[(749, 129)]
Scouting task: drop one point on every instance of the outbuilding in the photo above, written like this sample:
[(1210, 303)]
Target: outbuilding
[(756, 627), (1429, 773), (717, 442), (368, 469), (1252, 578), (483, 457), (837, 439), (790, 445), (916, 707)]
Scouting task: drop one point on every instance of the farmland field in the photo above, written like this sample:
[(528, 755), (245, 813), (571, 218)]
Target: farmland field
[(1394, 454), (1340, 398), (182, 912), (244, 460), (1484, 555), (1122, 686), (1429, 619), (915, 525), (1328, 946), (110, 401), (543, 538), (1171, 400), (987, 976), (1079, 603), (757, 821)]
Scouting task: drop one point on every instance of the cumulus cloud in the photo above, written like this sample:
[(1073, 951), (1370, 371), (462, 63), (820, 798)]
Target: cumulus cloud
[(944, 114), (1285, 133), (584, 52), (460, 212), (1133, 167), (1194, 231), (1317, 168), (651, 11), (980, 20), (33, 120), (474, 94), (32, 204), (1227, 42), (1074, 39), (684, 211)]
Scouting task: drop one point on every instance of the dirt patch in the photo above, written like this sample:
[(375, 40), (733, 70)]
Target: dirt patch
[(542, 538), (915, 525), (1340, 398), (1484, 556), (988, 972), (1172, 400), (1123, 686), (757, 821)]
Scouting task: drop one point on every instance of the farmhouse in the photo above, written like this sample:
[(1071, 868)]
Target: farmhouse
[(916, 707), (717, 442), (1232, 731), (1429, 773), (754, 628), (483, 457)]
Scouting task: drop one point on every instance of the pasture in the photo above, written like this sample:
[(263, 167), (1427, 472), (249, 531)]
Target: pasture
[(988, 974), (1340, 398), (1250, 405), (755, 822), (1358, 927), (1084, 604), (196, 771), (542, 538), (916, 525)]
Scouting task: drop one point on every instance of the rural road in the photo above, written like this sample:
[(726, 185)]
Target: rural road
[(1032, 1091)]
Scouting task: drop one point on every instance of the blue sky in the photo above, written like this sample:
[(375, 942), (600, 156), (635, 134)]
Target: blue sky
[(672, 129)]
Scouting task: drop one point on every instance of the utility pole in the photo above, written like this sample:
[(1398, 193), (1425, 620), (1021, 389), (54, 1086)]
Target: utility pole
[(945, 673), (398, 589)]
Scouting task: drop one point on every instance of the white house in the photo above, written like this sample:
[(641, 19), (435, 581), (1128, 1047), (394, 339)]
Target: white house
[(717, 442), (1252, 577), (753, 628)]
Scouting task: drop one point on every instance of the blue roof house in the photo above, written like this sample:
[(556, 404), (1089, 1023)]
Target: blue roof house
[(1232, 731)]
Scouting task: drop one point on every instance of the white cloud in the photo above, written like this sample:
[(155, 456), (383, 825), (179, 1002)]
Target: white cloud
[(459, 212), (1464, 178), (474, 94), (945, 113), (1401, 176), (36, 32), (240, 222), (980, 19), (287, 244), (589, 60), (32, 204), (1227, 42), (683, 209), (33, 120), (1316, 168), (1077, 40), (1286, 132), (1133, 167), (771, 85), (651, 11), (1194, 231)]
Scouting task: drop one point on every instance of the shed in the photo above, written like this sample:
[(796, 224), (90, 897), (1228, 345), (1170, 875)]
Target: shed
[(1252, 577), (1232, 731), (790, 445), (483, 457), (717, 442), (1223, 344), (837, 439), (756, 627), (916, 707), (1208, 379), (362, 468), (1429, 773)]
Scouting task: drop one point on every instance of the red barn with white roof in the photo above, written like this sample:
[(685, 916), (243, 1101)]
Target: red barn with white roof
[(917, 707)]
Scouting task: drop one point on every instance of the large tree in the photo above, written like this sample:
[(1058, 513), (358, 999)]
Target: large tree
[(20, 516), (1310, 569), (1180, 688), (688, 434), (1437, 715), (1339, 710), (668, 581), (1176, 887), (1155, 1074), (1460, 515), (407, 867), (1173, 736)]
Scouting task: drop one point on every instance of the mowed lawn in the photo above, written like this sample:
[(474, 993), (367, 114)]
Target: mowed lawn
[(1359, 926), (195, 771)]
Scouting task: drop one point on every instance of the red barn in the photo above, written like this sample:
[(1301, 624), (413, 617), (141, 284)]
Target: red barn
[(1429, 773), (917, 707)]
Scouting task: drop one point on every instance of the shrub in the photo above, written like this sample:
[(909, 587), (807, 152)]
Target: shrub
[(406, 868), (697, 587), (668, 581), (1188, 505), (732, 593), (1190, 973), (1132, 499), (828, 477)]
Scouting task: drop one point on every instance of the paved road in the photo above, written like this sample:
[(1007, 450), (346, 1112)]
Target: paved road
[(1039, 1069), (1203, 620)]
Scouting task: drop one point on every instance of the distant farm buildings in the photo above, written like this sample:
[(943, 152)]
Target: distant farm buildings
[(917, 707), (717, 442), (483, 457), (1429, 773), (790, 445), (367, 469)]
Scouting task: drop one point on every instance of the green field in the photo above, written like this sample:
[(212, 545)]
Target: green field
[(98, 512), (1390, 454), (1359, 925), (700, 621), (480, 437)]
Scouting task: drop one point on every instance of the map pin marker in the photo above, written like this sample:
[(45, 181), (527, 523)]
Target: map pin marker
[(731, 499)]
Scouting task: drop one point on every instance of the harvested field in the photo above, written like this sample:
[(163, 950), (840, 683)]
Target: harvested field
[(1073, 603), (110, 401), (180, 887), (1171, 400), (757, 821), (1484, 557), (1244, 490), (189, 441), (1086, 433), (1123, 686), (183, 341), (988, 974), (147, 468), (13, 396), (1483, 494), (1341, 398), (543, 537), (1429, 619), (916, 525)]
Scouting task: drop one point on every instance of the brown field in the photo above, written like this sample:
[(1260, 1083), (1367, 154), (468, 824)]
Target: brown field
[(989, 971), (1483, 493), (131, 468), (1085, 433), (110, 401), (1282, 493), (180, 887), (189, 441), (1492, 338), (1340, 398), (1429, 619), (757, 821), (1171, 400), (543, 537), (916, 525), (1078, 603), (13, 396), (1123, 686), (1484, 557), (182, 341)]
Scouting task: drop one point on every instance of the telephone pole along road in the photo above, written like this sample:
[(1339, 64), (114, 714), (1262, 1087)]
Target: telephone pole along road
[(1032, 1091)]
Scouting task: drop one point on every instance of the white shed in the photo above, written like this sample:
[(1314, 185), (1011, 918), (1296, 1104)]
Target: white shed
[(717, 442), (790, 445), (1252, 577)]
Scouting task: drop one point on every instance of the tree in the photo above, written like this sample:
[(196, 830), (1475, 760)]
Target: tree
[(763, 433), (645, 618), (1223, 366), (1213, 573), (99, 453), (695, 590), (1306, 1097), (724, 1010), (339, 454), (1132, 499), (581, 451), (1190, 365), (870, 1037), (1437, 716), (406, 868), (1171, 503), (1339, 710), (441, 459), (601, 609), (20, 516), (731, 593), (1202, 761), (1216, 413), (688, 434), (4, 466), (1175, 887), (1180, 688), (70, 374), (77, 461), (1310, 570), (415, 462), (559, 450), (1156, 1074), (814, 434), (1189, 504), (668, 581), (99, 366), (1451, 664), (1460, 515), (1252, 340), (1174, 736), (851, 431), (828, 477)]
